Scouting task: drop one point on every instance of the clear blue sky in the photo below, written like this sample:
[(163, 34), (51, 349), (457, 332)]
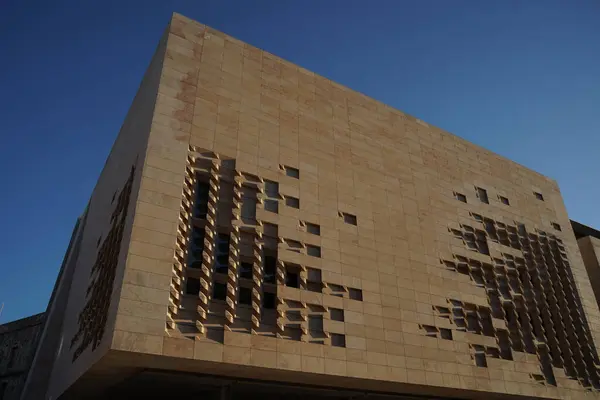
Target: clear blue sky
[(521, 78)]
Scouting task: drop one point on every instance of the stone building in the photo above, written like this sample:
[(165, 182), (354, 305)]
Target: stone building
[(18, 342), (259, 231)]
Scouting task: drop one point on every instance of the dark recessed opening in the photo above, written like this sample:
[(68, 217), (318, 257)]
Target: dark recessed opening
[(355, 294), (460, 197), (292, 279), (314, 251), (192, 286), (269, 300), (313, 229), (482, 195), (292, 202), (292, 172), (349, 218), (246, 270), (338, 340), (270, 268), (245, 296), (336, 314), (272, 206), (219, 291)]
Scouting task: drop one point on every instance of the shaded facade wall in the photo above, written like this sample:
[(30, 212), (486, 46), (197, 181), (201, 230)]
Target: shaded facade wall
[(590, 251), (18, 343), (452, 266), (90, 310)]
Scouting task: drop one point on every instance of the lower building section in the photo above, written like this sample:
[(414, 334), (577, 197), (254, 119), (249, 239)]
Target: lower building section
[(166, 384)]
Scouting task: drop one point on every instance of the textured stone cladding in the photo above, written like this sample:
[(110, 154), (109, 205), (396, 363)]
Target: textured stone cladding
[(320, 231)]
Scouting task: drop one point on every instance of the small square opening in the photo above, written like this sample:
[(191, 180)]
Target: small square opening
[(538, 196), (314, 251), (292, 202), (313, 229), (336, 314), (292, 172), (349, 218), (338, 340), (315, 323), (504, 200), (446, 333), (556, 226), (355, 294), (271, 206), (192, 286), (460, 197)]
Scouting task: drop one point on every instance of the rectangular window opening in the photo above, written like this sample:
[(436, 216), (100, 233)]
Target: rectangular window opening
[(482, 195), (349, 218), (336, 290), (246, 270), (313, 251), (480, 360), (538, 196), (446, 333), (355, 294), (338, 340), (336, 314), (192, 286), (313, 229), (313, 280), (271, 206), (245, 296), (201, 200), (292, 202), (270, 268), (315, 323), (219, 291), (292, 277), (460, 197), (504, 200), (269, 300), (292, 172), (271, 188)]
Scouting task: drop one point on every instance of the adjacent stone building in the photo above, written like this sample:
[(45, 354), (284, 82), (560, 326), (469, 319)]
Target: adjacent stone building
[(18, 342), (259, 231)]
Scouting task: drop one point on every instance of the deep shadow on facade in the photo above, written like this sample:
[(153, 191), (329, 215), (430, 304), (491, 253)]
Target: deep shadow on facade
[(259, 231)]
